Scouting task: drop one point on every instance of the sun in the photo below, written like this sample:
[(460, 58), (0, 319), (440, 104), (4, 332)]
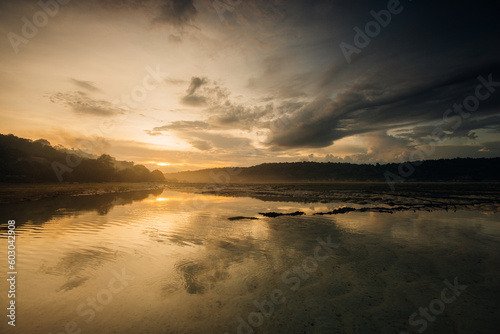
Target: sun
[(163, 164)]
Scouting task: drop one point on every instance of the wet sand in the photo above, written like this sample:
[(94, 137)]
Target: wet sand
[(193, 270), (366, 196)]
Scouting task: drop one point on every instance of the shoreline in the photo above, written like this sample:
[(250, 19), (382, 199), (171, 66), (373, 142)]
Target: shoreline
[(360, 196), (12, 193)]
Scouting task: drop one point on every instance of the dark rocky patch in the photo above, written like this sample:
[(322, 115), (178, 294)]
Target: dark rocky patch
[(241, 218), (277, 214)]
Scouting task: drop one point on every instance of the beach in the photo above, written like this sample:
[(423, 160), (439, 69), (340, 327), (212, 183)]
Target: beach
[(172, 261)]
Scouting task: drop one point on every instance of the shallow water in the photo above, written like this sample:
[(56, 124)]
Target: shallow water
[(172, 262)]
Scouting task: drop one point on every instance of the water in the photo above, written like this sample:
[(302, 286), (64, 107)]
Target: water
[(171, 262)]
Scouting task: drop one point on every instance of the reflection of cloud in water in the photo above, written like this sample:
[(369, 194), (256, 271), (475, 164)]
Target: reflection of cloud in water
[(73, 283), (220, 258), (77, 264), (74, 262), (156, 235), (189, 271)]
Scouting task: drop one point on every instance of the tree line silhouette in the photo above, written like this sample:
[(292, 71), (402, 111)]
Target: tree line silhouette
[(26, 161), (443, 170)]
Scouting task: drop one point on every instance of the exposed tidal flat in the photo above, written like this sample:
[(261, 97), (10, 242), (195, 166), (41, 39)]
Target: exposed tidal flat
[(171, 261)]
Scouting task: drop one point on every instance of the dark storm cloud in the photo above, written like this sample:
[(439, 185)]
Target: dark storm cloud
[(238, 116), (424, 61), (457, 127), (81, 103), (427, 58), (173, 12), (378, 102)]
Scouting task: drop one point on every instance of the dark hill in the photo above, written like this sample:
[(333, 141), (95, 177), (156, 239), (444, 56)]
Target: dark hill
[(26, 161), (471, 170)]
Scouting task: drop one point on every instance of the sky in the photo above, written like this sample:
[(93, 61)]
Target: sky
[(190, 84)]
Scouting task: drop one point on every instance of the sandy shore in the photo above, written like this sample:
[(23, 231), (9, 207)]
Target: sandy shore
[(352, 195), (367, 196), (11, 193)]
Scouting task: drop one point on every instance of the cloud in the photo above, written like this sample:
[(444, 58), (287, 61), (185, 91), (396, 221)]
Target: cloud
[(202, 136), (217, 141), (280, 78), (153, 133), (238, 116), (174, 39), (201, 145), (191, 98), (177, 12), (81, 103), (378, 102), (455, 128), (196, 83), (184, 125), (220, 109), (194, 100), (174, 81), (87, 85)]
